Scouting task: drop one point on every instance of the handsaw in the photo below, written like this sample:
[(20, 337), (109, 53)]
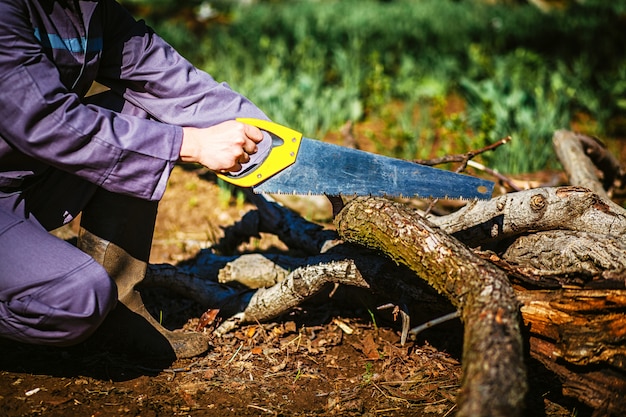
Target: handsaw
[(305, 166)]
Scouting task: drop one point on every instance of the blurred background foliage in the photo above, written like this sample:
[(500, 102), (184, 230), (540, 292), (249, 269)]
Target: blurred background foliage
[(434, 76)]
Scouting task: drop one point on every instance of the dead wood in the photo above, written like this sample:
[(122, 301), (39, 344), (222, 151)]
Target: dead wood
[(197, 287), (577, 165), (300, 284), (602, 389), (300, 278), (255, 270), (550, 208), (558, 258), (477, 288), (272, 217), (566, 252), (585, 326), (588, 163)]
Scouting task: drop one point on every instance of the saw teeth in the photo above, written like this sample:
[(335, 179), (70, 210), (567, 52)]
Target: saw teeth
[(312, 193)]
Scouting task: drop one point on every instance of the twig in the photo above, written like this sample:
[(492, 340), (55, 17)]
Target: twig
[(449, 411), (404, 316), (261, 408), (463, 158), (496, 174), (418, 329), (234, 354)]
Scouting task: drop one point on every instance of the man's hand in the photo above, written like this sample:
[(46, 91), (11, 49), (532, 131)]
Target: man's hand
[(223, 147)]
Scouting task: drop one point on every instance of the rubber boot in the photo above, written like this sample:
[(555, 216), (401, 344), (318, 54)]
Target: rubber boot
[(117, 232)]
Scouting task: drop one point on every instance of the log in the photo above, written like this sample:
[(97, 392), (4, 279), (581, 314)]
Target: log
[(585, 327), (579, 168), (477, 288)]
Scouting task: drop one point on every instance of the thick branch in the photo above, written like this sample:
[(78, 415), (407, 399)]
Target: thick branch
[(557, 258), (565, 208), (579, 168), (299, 285), (477, 288)]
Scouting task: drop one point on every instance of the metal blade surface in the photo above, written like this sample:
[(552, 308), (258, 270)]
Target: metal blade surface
[(324, 168)]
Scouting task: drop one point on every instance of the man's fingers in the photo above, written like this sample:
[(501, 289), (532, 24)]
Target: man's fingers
[(244, 158), (249, 148), (253, 132)]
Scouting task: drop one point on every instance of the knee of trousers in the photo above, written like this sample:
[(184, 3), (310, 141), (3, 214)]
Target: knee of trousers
[(95, 297), (64, 311)]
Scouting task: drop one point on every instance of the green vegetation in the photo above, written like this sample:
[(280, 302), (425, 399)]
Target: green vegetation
[(314, 65)]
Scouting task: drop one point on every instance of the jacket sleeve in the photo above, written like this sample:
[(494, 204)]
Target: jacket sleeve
[(144, 69), (156, 78), (42, 119)]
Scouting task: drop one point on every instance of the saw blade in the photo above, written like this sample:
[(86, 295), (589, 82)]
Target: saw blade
[(324, 168)]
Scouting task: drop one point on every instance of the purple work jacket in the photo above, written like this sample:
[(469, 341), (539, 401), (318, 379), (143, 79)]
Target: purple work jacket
[(51, 51)]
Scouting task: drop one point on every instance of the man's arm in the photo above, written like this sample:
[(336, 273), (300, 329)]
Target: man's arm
[(41, 118), (148, 72)]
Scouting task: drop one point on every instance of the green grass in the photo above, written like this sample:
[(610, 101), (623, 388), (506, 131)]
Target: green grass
[(314, 65)]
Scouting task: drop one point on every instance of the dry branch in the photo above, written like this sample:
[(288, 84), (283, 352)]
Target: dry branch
[(579, 168), (478, 289), (302, 283), (558, 258), (583, 158), (553, 208), (272, 217)]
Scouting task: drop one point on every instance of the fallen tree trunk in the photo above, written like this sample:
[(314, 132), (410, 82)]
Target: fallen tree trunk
[(479, 290)]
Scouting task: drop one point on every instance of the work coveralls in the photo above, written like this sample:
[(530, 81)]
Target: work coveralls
[(58, 146)]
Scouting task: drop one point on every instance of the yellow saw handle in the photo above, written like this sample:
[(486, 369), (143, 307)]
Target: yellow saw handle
[(284, 151)]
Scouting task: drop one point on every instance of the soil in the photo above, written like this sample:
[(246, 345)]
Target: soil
[(328, 357)]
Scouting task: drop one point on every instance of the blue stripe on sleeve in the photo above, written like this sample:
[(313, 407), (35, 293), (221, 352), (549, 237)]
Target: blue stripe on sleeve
[(74, 45)]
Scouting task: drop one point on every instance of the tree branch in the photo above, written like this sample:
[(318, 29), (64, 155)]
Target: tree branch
[(480, 291)]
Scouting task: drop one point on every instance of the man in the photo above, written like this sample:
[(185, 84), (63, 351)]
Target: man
[(109, 156)]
